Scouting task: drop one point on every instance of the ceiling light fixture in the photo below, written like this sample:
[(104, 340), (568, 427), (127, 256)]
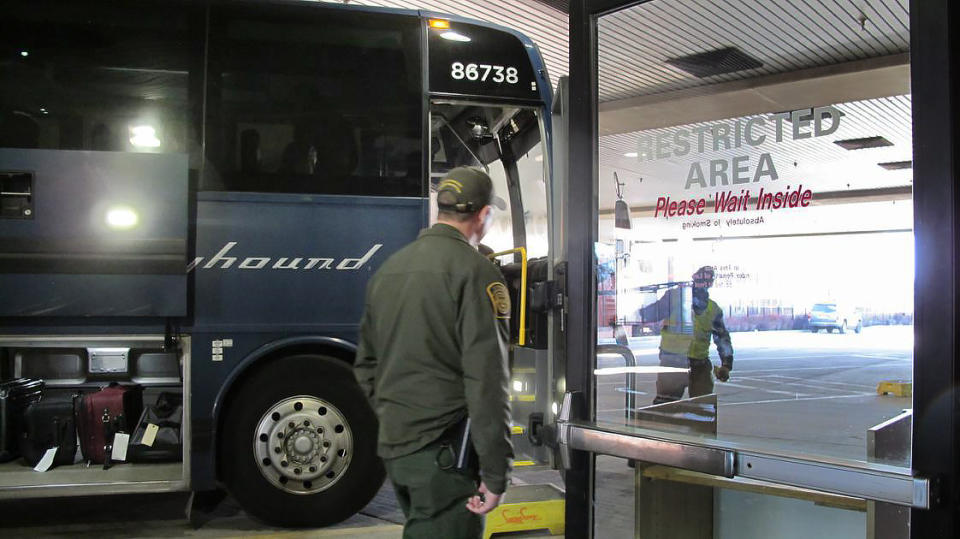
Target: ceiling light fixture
[(863, 143)]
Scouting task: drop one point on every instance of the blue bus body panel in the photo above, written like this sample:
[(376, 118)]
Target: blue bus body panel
[(293, 263), (245, 295), (65, 260)]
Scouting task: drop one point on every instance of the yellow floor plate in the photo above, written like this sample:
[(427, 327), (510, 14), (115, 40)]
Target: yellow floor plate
[(897, 388), (527, 508)]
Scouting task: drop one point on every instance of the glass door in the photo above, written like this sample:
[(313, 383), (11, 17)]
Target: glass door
[(754, 272)]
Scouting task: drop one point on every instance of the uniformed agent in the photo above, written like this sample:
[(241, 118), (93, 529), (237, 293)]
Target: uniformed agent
[(685, 347), (432, 352)]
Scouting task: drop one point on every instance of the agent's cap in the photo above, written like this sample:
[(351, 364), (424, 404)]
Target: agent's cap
[(467, 190), (705, 273)]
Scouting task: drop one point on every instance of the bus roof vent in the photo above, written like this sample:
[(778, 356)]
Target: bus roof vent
[(715, 62)]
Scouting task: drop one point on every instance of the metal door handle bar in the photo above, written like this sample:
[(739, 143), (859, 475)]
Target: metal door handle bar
[(678, 455), (865, 481), (858, 480)]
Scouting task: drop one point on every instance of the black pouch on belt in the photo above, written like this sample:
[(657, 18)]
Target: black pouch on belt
[(458, 442)]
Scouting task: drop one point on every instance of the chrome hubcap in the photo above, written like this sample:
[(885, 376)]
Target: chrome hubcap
[(303, 444)]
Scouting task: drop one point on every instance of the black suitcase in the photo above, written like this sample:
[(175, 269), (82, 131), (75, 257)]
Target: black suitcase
[(15, 396), (49, 423), (167, 415)]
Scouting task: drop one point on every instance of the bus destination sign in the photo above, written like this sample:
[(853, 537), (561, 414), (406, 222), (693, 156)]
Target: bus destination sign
[(467, 59)]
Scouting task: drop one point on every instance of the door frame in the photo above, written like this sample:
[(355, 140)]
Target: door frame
[(936, 119)]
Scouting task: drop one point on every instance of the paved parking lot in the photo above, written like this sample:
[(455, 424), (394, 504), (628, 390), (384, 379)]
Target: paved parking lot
[(794, 390)]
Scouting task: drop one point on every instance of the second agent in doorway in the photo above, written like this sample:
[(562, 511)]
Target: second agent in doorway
[(687, 345)]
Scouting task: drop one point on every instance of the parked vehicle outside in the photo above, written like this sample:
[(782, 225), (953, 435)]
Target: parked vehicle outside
[(830, 316)]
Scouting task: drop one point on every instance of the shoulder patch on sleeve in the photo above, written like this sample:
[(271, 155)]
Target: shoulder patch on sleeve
[(499, 299)]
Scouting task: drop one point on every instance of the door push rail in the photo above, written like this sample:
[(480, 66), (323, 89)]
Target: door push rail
[(872, 482), (629, 360)]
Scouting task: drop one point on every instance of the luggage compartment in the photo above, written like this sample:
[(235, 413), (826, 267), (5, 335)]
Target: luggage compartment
[(68, 365)]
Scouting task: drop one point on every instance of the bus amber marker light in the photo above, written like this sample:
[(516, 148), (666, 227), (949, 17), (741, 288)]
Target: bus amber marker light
[(440, 24), (122, 218)]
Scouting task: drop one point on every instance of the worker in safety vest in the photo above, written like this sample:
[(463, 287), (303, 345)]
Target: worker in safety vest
[(685, 343)]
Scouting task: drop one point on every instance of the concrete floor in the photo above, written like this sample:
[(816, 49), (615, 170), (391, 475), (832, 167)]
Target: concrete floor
[(162, 515)]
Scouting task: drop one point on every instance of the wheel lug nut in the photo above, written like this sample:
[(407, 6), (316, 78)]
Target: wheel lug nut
[(323, 459), (296, 471), (313, 469), (280, 435), (298, 406), (277, 450), (291, 424), (319, 430), (326, 444), (306, 422)]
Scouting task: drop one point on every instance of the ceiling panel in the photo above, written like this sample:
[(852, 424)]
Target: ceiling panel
[(785, 35)]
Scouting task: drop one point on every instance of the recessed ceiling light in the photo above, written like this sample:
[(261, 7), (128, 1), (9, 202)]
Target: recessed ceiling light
[(863, 143), (631, 154), (897, 165), (454, 36), (715, 62)]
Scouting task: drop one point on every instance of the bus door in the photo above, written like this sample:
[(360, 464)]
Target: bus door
[(506, 141)]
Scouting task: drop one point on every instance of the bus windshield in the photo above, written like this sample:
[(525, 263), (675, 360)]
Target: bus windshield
[(506, 142)]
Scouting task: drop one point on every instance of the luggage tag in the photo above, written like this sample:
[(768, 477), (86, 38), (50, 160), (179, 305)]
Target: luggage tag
[(150, 434), (120, 442), (47, 460)]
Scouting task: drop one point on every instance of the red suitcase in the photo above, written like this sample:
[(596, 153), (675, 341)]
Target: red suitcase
[(100, 415)]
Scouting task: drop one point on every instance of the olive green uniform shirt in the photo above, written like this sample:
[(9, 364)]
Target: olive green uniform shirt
[(433, 349)]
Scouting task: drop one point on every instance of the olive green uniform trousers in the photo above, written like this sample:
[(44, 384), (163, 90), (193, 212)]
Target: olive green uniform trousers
[(670, 385), (434, 499)]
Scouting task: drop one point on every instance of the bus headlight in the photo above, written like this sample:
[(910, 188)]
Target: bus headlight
[(122, 218)]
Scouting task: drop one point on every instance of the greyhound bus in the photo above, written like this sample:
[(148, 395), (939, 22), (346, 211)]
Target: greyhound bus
[(194, 195)]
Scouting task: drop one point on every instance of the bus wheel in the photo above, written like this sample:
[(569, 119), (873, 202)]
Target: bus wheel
[(298, 443)]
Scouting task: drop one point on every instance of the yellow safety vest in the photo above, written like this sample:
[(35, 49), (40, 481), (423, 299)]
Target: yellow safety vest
[(695, 344)]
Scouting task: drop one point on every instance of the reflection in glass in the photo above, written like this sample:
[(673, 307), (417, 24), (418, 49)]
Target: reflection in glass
[(794, 189)]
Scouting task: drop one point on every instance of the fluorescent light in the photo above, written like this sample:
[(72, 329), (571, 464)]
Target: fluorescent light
[(24, 53), (122, 218), (631, 154), (454, 36), (517, 385), (554, 408), (144, 136)]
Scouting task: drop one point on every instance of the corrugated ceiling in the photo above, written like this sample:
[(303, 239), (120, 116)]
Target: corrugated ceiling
[(785, 35)]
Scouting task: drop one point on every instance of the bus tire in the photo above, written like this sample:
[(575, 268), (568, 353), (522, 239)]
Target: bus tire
[(298, 443)]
